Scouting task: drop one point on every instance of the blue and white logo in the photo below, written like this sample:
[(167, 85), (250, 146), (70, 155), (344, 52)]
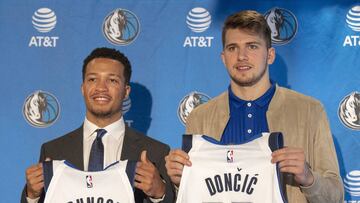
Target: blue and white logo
[(283, 25), (121, 27), (126, 105), (198, 19), (353, 18), (44, 20), (352, 183), (41, 109), (189, 103), (349, 111)]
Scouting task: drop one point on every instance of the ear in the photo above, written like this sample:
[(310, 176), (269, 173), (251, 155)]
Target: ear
[(271, 55), (82, 88), (127, 91), (223, 58)]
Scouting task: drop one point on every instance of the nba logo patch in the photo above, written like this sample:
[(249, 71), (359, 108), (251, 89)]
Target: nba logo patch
[(89, 183), (230, 156)]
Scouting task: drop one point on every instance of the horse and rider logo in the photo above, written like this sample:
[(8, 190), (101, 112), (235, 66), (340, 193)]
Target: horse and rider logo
[(121, 27), (189, 103), (41, 109), (283, 25)]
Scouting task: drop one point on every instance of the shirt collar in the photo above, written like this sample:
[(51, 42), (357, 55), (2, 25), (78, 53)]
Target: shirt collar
[(115, 129), (261, 101)]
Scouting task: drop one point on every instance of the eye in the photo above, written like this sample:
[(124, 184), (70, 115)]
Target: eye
[(252, 46), (91, 79), (113, 80), (231, 48)]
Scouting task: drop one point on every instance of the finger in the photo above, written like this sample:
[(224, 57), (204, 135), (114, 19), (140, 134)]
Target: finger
[(175, 172), (35, 171), (143, 157), (48, 159), (180, 158), (142, 179), (291, 169), (291, 163), (146, 172), (142, 186), (300, 156), (287, 150), (175, 165)]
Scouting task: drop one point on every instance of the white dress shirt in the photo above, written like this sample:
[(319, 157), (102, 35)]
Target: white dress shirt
[(112, 141)]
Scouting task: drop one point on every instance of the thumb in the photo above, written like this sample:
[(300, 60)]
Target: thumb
[(143, 157), (47, 159)]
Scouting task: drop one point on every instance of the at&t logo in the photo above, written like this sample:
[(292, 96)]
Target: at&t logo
[(352, 184), (349, 111), (189, 103), (126, 105), (353, 22), (198, 20), (283, 25), (43, 20), (41, 109), (121, 27)]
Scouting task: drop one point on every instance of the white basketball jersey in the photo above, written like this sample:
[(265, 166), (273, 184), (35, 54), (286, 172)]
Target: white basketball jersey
[(69, 185), (230, 173)]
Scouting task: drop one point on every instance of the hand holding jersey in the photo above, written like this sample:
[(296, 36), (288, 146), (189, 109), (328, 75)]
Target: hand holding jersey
[(35, 180), (292, 160), (175, 162), (147, 178)]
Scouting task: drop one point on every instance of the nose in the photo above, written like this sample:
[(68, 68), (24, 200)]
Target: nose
[(242, 54), (101, 85)]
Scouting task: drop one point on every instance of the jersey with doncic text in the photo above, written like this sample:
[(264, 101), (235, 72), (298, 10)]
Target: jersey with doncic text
[(65, 184), (231, 173)]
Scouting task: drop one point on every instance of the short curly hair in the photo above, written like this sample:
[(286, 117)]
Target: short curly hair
[(105, 52)]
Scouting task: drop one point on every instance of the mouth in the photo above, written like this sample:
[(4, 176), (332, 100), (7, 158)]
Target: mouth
[(242, 67), (101, 98)]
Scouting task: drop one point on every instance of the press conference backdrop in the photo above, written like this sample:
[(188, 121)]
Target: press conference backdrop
[(174, 47)]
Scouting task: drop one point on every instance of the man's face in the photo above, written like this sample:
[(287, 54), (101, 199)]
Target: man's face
[(104, 89), (246, 57)]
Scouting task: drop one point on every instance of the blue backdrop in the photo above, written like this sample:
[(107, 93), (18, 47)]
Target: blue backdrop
[(174, 47)]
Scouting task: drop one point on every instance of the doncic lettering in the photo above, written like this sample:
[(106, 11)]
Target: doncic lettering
[(231, 182)]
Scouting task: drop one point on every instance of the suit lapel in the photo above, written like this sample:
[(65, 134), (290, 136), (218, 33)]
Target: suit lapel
[(75, 149), (131, 146)]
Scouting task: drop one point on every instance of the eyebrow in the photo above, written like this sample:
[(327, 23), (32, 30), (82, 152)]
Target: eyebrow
[(247, 43), (111, 74)]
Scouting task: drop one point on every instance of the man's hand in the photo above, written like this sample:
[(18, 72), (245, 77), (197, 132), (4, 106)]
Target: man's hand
[(34, 181), (175, 162), (292, 160), (147, 178)]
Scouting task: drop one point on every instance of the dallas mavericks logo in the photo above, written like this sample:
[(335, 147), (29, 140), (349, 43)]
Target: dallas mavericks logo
[(126, 105), (352, 183), (190, 102), (121, 27), (349, 111), (198, 19), (41, 109), (353, 18), (283, 25), (89, 182), (44, 20), (230, 156)]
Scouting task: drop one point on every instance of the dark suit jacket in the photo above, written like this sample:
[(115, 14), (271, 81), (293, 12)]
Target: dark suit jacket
[(70, 147)]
